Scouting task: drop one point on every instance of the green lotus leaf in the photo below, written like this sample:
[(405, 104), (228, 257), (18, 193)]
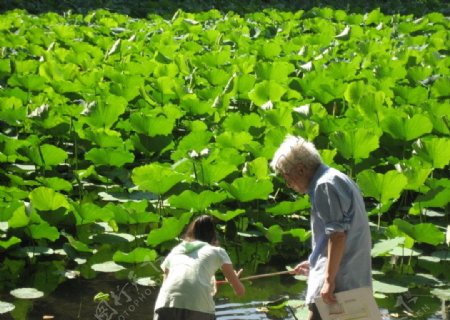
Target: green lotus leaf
[(108, 266), (133, 212), (90, 212), (237, 122), (152, 125), (322, 87), (6, 307), (77, 244), (192, 104), (45, 199), (441, 88), (193, 201), (405, 252), (280, 117), (27, 293), (259, 168), (217, 77), (301, 234), (248, 188), (19, 218), (44, 231), (5, 244), (356, 144), (274, 234), (105, 111), (407, 129), (410, 95), (126, 86), (138, 255), (383, 287), (244, 83), (437, 197), (416, 173), (434, 150), (211, 173), (238, 140), (46, 155), (393, 231), (270, 50), (289, 207), (104, 138), (55, 183), (194, 141), (5, 67), (276, 71), (109, 157), (156, 178), (383, 247), (29, 82), (383, 187), (228, 215), (267, 90), (170, 229), (421, 232)]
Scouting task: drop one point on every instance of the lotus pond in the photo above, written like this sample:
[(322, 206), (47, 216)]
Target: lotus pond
[(116, 131), (279, 297)]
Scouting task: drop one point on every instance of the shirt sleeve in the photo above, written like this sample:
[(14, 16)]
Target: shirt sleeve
[(224, 257), (165, 264), (333, 207)]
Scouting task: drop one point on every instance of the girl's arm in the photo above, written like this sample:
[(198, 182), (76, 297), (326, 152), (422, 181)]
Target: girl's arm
[(233, 278)]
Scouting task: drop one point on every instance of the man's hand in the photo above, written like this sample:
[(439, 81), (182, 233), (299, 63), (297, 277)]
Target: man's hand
[(327, 292), (302, 268)]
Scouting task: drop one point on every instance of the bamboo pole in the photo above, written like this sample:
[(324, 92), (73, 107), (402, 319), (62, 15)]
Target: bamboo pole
[(258, 276)]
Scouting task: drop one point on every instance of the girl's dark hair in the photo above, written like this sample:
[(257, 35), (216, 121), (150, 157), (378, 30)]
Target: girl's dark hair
[(203, 229)]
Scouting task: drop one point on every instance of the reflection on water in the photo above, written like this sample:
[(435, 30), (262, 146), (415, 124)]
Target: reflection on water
[(234, 311)]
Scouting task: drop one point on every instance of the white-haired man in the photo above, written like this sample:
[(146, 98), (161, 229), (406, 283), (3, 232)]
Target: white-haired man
[(341, 241)]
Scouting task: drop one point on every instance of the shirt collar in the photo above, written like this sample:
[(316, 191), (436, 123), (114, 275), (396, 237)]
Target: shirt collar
[(319, 172)]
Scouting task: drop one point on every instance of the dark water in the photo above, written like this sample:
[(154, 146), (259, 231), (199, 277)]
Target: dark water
[(74, 300)]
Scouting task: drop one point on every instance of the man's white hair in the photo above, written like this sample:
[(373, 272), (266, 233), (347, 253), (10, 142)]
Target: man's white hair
[(295, 151)]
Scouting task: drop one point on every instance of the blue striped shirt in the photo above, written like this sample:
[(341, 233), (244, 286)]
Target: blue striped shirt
[(337, 206)]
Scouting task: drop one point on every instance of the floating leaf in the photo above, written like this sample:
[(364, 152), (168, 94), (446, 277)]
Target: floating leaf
[(108, 266), (26, 293), (148, 282), (443, 294), (383, 287), (6, 307)]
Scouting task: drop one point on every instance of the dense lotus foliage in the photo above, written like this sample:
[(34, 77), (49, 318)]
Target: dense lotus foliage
[(116, 131)]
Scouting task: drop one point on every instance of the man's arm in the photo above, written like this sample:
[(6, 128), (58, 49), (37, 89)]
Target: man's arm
[(336, 246)]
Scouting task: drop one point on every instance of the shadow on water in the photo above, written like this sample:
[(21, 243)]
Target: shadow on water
[(166, 8)]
